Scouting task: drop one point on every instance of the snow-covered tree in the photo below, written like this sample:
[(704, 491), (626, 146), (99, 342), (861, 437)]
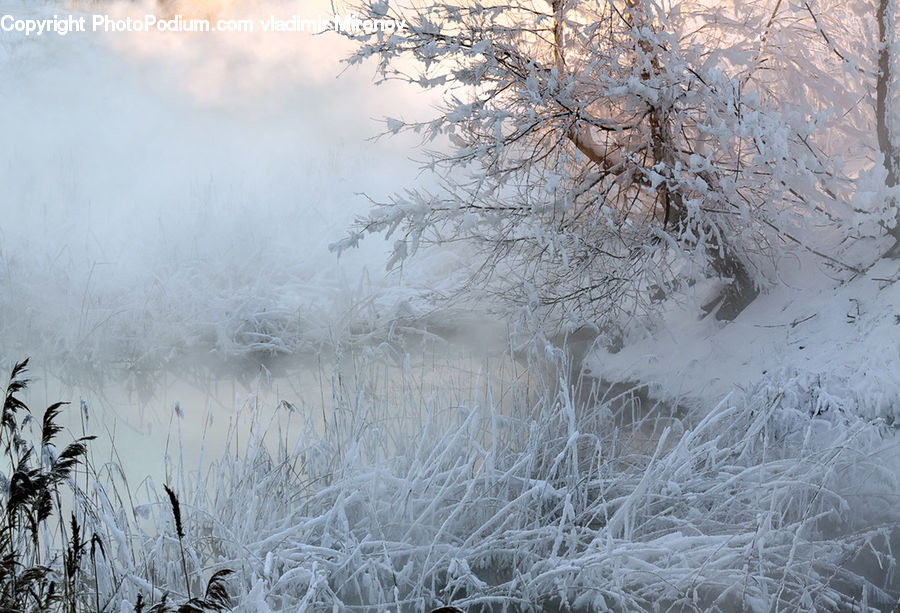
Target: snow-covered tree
[(605, 154)]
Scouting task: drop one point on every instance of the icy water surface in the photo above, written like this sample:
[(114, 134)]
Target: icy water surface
[(167, 424), (165, 194)]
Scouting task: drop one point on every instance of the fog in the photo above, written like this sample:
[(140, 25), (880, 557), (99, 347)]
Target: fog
[(146, 177), (168, 202)]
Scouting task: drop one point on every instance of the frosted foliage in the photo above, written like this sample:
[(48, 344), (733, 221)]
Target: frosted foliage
[(603, 158), (561, 506)]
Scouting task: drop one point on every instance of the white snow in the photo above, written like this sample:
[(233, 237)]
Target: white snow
[(836, 332)]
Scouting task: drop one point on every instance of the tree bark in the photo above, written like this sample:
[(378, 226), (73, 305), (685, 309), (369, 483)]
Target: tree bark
[(740, 291), (884, 16)]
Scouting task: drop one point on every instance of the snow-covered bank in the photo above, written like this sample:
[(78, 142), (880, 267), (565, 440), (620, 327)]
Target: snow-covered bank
[(836, 336)]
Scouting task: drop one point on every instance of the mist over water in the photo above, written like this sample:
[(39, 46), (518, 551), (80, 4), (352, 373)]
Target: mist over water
[(146, 184), (168, 202)]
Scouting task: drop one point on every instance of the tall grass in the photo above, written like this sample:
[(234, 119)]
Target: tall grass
[(43, 565), (561, 500), (31, 579), (506, 490)]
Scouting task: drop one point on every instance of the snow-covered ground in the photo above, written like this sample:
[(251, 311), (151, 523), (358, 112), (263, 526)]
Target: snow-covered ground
[(836, 332)]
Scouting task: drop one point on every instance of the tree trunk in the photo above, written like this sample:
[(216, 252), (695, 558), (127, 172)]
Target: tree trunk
[(740, 289), (738, 294), (886, 145)]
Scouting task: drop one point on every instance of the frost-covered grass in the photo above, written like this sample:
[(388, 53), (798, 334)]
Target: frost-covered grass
[(526, 495), (55, 535)]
